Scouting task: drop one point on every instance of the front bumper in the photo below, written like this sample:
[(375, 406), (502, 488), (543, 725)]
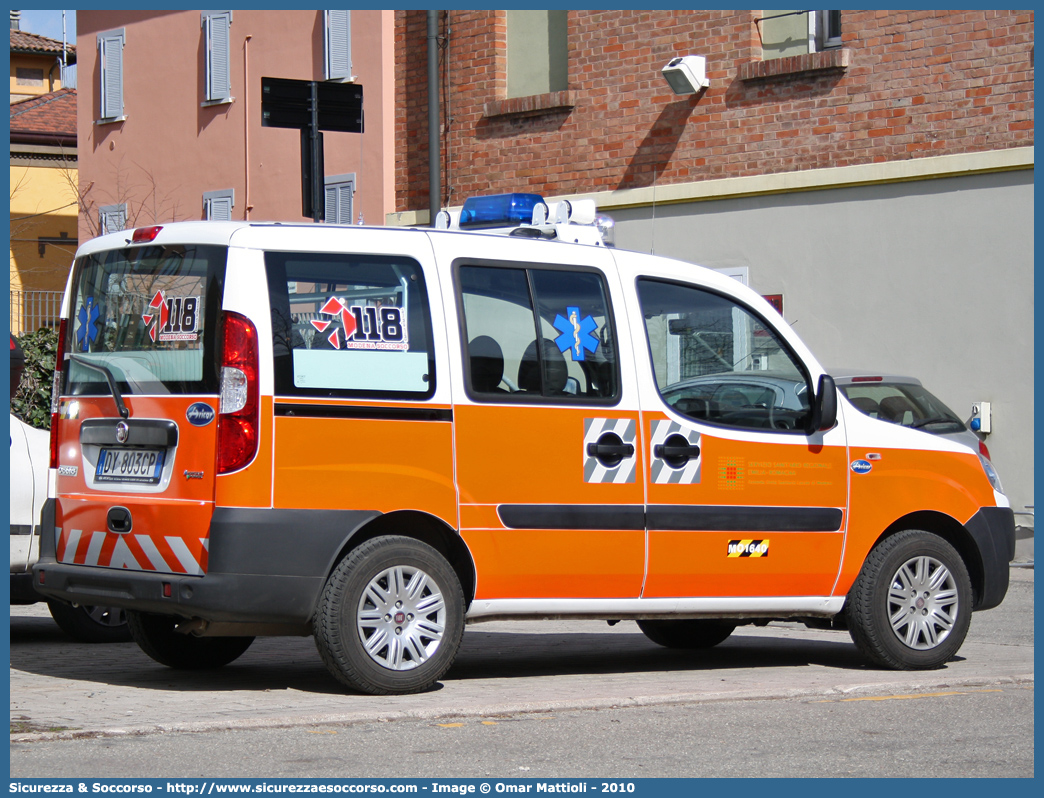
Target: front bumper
[(993, 530)]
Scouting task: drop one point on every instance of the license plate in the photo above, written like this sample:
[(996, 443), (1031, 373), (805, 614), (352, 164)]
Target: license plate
[(135, 466)]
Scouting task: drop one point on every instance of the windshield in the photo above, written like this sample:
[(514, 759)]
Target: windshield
[(902, 403), (149, 316)]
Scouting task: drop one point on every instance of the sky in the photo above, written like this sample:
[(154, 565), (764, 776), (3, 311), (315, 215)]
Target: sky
[(49, 23)]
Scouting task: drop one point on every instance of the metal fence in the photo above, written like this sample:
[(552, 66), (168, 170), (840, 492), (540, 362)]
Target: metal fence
[(31, 310)]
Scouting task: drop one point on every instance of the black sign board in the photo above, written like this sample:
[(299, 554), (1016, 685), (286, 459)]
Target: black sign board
[(288, 103), (311, 106)]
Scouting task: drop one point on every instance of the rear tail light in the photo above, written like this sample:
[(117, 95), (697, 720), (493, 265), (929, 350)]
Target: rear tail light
[(984, 451), (56, 391), (239, 408)]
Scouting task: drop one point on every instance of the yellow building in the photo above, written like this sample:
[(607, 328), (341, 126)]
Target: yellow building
[(36, 64), (43, 181)]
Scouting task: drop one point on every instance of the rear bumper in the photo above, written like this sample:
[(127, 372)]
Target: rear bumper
[(993, 529), (265, 567)]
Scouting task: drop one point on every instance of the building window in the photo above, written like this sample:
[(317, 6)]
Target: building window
[(216, 26), (110, 71), (786, 33), (340, 198), (537, 52), (112, 218), (217, 205), (828, 29), (29, 77), (337, 48)]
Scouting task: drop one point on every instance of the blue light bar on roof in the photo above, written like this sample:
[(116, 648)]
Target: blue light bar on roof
[(499, 210)]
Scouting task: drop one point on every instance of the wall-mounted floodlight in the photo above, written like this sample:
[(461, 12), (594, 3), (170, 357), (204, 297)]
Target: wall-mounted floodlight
[(687, 74)]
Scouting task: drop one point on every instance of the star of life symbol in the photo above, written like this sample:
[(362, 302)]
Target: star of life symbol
[(88, 329), (576, 337)]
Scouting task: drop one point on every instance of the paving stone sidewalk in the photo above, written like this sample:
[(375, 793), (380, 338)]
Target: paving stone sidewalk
[(64, 689)]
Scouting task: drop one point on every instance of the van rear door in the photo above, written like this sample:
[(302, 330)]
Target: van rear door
[(136, 417)]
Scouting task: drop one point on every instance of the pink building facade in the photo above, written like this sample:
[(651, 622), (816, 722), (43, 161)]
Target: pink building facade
[(170, 124)]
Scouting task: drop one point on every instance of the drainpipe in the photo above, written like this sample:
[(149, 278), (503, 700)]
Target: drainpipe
[(434, 144)]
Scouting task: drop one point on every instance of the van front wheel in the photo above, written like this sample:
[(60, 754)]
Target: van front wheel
[(391, 617), (158, 637), (910, 607)]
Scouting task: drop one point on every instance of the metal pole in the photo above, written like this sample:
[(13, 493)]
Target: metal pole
[(434, 144), (316, 143)]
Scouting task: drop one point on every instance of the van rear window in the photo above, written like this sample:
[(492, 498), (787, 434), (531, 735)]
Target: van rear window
[(350, 325), (148, 315)]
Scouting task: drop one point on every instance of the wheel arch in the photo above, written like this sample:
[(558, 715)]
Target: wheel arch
[(954, 533), (423, 527)]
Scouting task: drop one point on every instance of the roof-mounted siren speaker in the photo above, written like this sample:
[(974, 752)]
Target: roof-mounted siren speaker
[(577, 211), (686, 74)]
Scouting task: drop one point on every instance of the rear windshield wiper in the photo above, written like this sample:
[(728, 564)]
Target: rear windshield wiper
[(120, 406)]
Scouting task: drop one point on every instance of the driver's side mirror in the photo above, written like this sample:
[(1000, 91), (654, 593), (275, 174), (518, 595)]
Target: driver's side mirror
[(824, 412)]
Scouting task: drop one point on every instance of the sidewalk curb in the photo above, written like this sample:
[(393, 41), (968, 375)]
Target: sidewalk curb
[(488, 710)]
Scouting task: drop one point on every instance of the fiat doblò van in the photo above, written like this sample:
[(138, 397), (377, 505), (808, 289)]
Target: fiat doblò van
[(375, 436)]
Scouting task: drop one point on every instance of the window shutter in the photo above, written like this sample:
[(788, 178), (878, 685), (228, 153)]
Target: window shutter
[(219, 82), (110, 59), (340, 196), (112, 218), (338, 45), (217, 205)]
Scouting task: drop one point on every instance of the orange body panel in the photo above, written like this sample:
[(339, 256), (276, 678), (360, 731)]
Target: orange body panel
[(365, 464), (906, 481), (761, 474), (251, 486), (697, 564), (479, 516), (173, 540), (196, 445), (550, 563), (750, 474), (169, 532), (534, 455)]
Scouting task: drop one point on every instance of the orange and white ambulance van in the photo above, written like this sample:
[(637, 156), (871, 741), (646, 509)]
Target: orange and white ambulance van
[(376, 436)]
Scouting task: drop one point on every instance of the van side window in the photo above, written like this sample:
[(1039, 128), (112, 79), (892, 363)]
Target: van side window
[(717, 362), (537, 334), (350, 325)]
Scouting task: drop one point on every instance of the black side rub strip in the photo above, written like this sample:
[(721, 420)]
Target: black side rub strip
[(671, 517), (572, 516), (676, 517), (381, 413)]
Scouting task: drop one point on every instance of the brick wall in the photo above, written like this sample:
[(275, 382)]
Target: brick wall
[(908, 84)]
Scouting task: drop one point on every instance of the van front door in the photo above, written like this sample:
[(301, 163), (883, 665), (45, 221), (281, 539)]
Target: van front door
[(547, 438), (742, 499)]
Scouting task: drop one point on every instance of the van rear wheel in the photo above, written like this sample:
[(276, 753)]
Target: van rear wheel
[(910, 607), (688, 633), (89, 624), (391, 617), (157, 636)]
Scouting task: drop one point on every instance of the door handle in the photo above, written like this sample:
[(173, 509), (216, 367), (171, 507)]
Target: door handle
[(671, 452), (605, 451), (676, 451), (610, 450)]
